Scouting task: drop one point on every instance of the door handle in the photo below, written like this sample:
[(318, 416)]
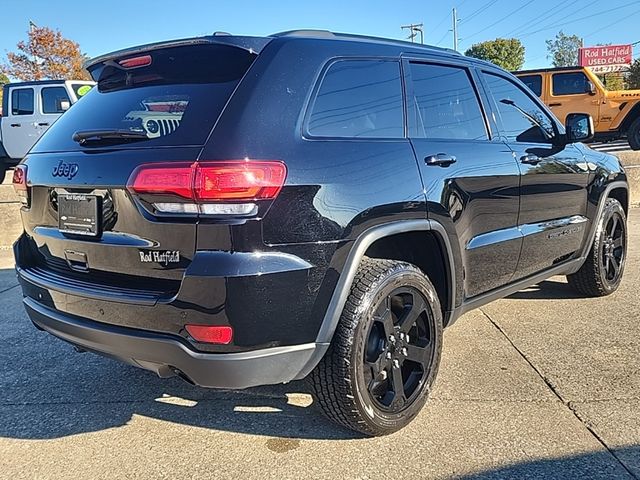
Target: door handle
[(15, 124), (555, 104), (44, 124), (440, 159), (530, 159)]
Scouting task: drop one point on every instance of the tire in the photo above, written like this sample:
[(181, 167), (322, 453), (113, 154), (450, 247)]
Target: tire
[(388, 299), (633, 134), (601, 273)]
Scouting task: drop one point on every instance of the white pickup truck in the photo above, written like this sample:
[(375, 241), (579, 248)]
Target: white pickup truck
[(28, 110)]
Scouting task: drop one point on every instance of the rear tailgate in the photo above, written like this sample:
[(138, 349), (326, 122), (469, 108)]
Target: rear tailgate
[(85, 226)]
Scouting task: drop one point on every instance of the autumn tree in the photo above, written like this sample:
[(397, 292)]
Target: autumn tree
[(3, 81), (45, 55), (507, 53), (563, 50), (633, 78)]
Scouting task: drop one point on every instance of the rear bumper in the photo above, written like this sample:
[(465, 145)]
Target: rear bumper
[(168, 355)]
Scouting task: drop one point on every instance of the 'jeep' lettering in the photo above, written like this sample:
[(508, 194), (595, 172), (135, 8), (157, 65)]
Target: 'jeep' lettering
[(68, 170)]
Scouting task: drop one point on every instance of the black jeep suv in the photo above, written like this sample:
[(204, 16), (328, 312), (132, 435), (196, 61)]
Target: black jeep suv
[(242, 211)]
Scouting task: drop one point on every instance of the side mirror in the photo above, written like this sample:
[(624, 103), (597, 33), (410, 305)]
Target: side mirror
[(591, 88), (579, 127), (65, 105)]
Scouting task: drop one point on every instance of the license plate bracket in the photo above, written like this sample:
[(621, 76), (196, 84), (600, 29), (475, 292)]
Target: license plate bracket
[(79, 214)]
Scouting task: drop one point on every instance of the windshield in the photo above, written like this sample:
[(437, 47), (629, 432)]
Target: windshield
[(173, 100)]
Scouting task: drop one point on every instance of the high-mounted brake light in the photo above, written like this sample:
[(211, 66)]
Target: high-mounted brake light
[(215, 188), (20, 183), (135, 62), (221, 335)]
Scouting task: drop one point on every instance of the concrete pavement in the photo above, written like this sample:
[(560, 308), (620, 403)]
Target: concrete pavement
[(540, 385)]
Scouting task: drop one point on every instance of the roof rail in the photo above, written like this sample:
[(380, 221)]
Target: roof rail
[(362, 38), (305, 33)]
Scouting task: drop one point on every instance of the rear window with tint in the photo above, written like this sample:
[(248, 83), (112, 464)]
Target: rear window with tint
[(534, 82), (359, 98), (173, 101)]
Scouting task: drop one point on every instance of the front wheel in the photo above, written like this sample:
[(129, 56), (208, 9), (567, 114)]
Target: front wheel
[(601, 272), (385, 352), (633, 135)]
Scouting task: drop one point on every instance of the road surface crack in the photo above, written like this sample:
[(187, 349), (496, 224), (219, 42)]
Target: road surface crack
[(550, 384)]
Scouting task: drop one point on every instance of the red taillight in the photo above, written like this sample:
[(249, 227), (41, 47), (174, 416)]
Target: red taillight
[(20, 178), (239, 181), (161, 179), (210, 333), (134, 62), (235, 181)]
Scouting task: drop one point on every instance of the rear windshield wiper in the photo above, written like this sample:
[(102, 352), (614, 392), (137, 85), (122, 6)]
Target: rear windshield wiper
[(84, 136)]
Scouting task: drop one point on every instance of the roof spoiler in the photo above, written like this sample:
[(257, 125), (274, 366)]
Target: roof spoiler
[(251, 44)]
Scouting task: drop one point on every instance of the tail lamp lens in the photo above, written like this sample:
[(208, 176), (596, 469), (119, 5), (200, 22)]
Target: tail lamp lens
[(20, 184), (221, 335), (239, 181), (20, 178), (207, 183)]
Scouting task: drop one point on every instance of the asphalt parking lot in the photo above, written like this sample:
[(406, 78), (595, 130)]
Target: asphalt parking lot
[(540, 385)]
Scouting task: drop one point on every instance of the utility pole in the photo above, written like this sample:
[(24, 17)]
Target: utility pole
[(455, 30), (414, 29)]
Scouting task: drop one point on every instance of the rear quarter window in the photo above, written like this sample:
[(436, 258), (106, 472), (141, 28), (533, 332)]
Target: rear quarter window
[(358, 99), (173, 101)]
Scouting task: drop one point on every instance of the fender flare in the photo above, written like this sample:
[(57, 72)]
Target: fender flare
[(343, 287), (594, 223), (629, 118)]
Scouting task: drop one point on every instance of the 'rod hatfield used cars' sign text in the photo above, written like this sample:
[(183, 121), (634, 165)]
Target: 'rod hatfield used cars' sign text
[(607, 58)]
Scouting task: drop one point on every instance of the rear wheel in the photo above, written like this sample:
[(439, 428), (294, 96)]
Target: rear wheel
[(385, 353), (602, 271), (633, 135)]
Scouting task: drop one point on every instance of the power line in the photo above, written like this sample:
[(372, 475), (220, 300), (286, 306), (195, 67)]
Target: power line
[(555, 10), (522, 7), (480, 10), (610, 25), (597, 14)]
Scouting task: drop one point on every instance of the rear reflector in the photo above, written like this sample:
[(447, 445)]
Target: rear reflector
[(210, 333), (211, 182)]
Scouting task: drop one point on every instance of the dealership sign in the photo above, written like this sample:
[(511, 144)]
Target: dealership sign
[(607, 58)]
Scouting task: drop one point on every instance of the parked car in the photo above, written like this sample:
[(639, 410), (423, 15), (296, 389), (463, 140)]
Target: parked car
[(616, 114), (28, 110), (326, 204)]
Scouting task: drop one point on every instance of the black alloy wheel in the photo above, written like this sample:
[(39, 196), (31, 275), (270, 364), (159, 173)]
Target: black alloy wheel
[(385, 352), (399, 350)]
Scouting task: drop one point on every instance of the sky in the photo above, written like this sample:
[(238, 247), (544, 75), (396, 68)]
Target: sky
[(101, 27)]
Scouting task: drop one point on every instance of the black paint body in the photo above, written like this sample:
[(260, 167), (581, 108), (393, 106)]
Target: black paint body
[(272, 278)]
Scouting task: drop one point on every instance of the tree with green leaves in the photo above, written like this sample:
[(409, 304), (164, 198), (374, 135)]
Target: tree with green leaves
[(507, 53), (563, 50), (633, 77)]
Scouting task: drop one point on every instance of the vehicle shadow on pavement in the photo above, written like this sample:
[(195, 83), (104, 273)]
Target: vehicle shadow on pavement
[(547, 290), (619, 463), (47, 390)]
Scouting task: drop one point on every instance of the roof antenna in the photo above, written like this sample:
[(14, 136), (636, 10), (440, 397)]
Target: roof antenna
[(221, 34)]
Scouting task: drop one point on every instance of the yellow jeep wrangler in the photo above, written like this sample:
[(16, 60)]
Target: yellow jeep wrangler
[(616, 114)]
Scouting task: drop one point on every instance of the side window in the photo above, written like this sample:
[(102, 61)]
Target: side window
[(22, 101), (534, 82), (521, 118), (52, 98), (574, 83), (359, 98), (447, 106)]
